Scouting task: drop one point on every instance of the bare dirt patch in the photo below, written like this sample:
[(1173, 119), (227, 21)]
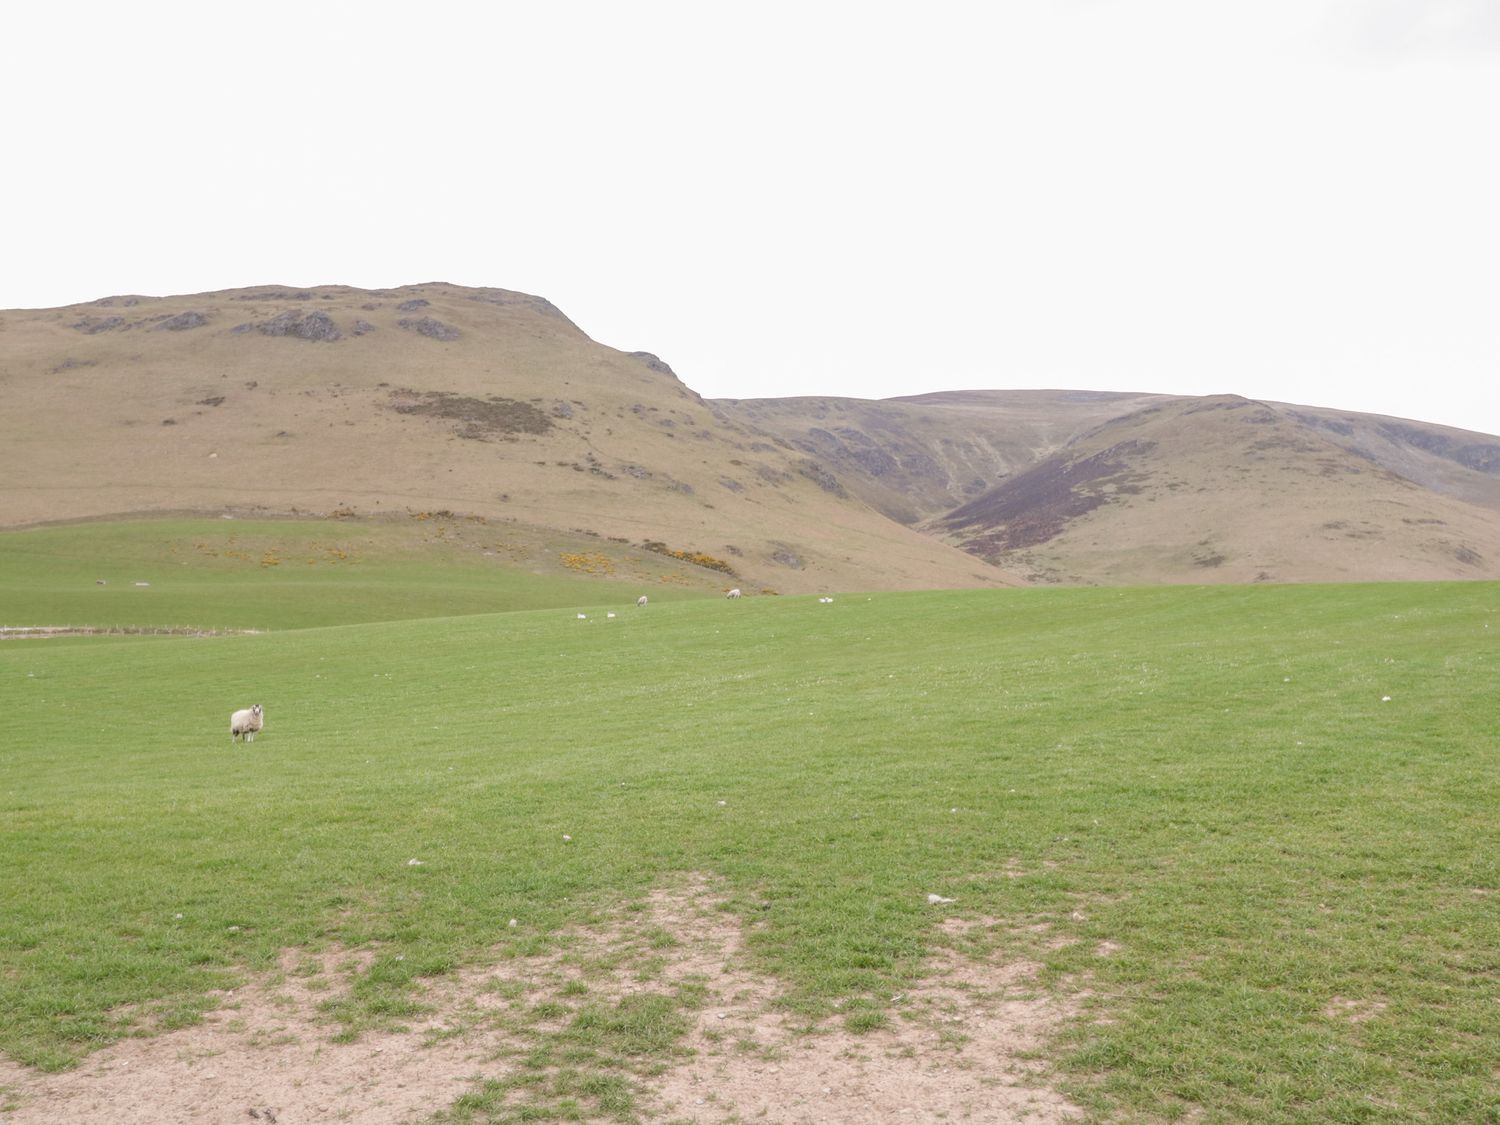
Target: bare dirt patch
[(266, 1047), (961, 1047), (958, 1048), (1355, 1011)]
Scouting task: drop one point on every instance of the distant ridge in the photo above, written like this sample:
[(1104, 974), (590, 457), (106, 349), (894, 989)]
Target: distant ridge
[(1109, 487)]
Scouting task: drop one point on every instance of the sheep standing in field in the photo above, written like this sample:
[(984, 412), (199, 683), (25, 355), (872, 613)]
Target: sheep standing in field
[(245, 723), (641, 600), (733, 593)]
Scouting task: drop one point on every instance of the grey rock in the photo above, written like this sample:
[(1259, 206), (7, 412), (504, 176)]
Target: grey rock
[(427, 326), (318, 326), (181, 322), (93, 325)]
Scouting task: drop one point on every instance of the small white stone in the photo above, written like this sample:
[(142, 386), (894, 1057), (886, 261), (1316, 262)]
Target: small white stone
[(1385, 699), (567, 837), (414, 862)]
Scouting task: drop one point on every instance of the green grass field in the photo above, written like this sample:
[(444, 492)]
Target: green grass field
[(1209, 778), (290, 574)]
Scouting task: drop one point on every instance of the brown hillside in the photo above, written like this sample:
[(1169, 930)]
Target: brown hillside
[(1224, 489), (425, 397), (915, 458), (1458, 463), (487, 402)]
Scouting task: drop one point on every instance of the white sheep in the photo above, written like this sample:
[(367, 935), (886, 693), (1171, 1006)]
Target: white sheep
[(246, 723), (641, 600), (733, 593)]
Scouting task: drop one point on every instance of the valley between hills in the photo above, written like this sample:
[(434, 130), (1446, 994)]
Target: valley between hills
[(334, 402)]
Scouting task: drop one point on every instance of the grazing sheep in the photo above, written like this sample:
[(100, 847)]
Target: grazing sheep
[(641, 600), (246, 723), (733, 593)]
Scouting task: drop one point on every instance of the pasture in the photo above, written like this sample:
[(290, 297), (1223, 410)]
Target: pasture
[(1271, 888), (293, 574)]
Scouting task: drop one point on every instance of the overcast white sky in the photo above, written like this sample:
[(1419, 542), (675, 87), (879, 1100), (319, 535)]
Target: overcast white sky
[(1285, 199)]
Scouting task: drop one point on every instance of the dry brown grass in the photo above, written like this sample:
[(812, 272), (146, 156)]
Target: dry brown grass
[(1111, 488), (1225, 490), (492, 403), (520, 416)]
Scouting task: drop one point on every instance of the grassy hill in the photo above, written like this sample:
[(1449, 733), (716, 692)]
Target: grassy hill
[(1248, 830), (1223, 490), (920, 457), (460, 402), (206, 575), (1239, 838), (429, 398), (1076, 487)]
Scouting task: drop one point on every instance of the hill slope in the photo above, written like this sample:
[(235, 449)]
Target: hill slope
[(1085, 487), (426, 397), (486, 402), (917, 457), (1223, 489)]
